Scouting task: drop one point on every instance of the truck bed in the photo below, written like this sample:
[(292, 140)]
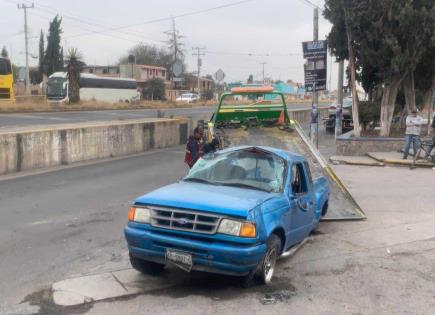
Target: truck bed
[(342, 206)]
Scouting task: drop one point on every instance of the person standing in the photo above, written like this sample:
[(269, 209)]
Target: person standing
[(430, 148), (193, 148), (412, 133), (213, 146)]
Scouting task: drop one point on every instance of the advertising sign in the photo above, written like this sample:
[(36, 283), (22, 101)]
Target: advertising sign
[(315, 66)]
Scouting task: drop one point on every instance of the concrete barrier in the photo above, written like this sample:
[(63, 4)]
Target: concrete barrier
[(303, 116), (348, 144), (66, 144), (27, 149)]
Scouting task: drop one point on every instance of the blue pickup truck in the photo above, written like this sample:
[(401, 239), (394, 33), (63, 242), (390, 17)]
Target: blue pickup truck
[(235, 213)]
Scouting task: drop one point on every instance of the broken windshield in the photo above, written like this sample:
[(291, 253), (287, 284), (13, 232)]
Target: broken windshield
[(248, 168)]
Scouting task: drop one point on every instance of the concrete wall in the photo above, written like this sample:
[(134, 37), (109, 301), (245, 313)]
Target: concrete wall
[(303, 116), (347, 144), (28, 150), (66, 144)]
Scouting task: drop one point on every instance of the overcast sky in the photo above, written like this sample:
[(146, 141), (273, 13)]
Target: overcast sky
[(230, 34)]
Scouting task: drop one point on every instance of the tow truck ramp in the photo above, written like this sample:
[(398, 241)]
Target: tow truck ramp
[(258, 116), (342, 206)]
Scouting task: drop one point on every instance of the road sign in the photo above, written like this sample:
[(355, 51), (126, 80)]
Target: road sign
[(315, 66), (315, 50), (177, 68), (219, 75)]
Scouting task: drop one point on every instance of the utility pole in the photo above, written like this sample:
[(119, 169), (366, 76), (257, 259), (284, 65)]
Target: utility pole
[(24, 7), (339, 109), (175, 44), (199, 52), (263, 63), (314, 130)]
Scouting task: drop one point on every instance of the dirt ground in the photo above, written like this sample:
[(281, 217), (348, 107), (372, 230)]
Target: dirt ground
[(39, 104)]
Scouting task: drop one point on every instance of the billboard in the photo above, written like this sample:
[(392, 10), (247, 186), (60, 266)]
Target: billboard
[(315, 66)]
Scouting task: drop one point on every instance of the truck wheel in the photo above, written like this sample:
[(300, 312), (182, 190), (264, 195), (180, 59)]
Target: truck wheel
[(266, 268), (330, 129), (325, 208), (146, 267)]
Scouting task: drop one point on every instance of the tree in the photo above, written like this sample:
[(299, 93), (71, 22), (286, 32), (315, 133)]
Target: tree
[(150, 55), (250, 79), (155, 90), (386, 38), (4, 52), (348, 17), (74, 66), (53, 58), (342, 13), (62, 61), (41, 61)]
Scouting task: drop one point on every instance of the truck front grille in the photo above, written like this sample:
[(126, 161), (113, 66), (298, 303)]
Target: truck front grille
[(184, 220)]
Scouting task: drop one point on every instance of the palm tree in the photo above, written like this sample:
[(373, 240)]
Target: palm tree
[(74, 66)]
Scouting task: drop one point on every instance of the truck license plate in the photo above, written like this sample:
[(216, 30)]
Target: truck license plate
[(182, 260)]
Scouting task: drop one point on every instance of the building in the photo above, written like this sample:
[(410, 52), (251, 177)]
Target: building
[(143, 73), (102, 71), (188, 83)]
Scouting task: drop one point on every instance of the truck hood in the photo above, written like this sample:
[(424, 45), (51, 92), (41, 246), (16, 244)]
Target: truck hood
[(232, 201)]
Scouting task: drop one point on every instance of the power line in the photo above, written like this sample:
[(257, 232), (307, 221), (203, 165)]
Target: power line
[(103, 34), (84, 20), (251, 54), (311, 4), (166, 18)]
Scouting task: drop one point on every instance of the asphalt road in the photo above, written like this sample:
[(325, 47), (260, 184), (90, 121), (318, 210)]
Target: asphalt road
[(27, 119), (69, 222)]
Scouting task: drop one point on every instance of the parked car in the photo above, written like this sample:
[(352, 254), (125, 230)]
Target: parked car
[(346, 123), (235, 212), (188, 97)]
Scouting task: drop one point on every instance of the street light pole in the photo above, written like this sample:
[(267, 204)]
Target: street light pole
[(199, 53), (263, 63), (26, 38)]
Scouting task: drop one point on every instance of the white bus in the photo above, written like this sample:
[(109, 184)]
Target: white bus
[(93, 87)]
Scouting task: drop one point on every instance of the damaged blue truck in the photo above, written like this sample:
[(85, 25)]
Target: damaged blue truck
[(237, 210)]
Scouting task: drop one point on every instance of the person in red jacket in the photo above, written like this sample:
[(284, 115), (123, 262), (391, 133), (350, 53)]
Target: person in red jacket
[(193, 148)]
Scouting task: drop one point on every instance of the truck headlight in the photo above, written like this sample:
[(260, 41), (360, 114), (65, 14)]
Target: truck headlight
[(237, 228), (140, 215)]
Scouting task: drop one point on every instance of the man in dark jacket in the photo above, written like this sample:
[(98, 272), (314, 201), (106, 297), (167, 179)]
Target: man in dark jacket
[(213, 146), (193, 148)]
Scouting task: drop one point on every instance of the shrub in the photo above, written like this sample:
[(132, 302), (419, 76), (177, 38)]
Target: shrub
[(369, 113), (208, 95), (155, 90)]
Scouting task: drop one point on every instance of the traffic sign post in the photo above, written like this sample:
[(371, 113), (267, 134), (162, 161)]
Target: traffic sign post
[(315, 78), (220, 76)]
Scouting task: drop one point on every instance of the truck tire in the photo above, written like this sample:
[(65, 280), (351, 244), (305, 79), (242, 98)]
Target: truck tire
[(330, 129), (146, 267), (266, 268), (325, 208)]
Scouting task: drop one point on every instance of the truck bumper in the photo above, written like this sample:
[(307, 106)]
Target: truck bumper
[(215, 256)]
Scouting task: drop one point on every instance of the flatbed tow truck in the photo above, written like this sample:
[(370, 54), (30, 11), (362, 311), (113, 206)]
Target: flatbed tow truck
[(258, 116)]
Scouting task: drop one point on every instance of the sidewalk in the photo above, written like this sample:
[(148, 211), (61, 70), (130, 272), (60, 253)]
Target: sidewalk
[(383, 265)]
